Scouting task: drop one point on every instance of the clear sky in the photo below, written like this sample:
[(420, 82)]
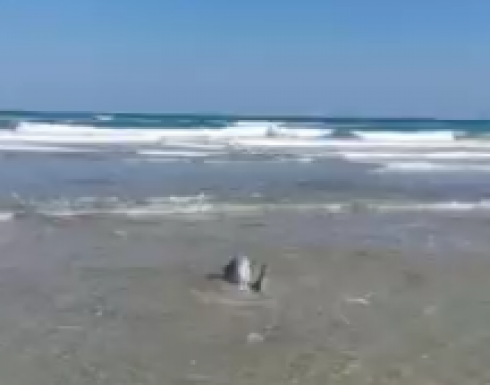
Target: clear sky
[(376, 57)]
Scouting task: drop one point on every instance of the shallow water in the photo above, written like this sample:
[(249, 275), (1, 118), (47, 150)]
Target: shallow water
[(352, 299)]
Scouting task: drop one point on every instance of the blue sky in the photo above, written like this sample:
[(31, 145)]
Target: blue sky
[(347, 57)]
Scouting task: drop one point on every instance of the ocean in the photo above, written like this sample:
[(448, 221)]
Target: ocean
[(184, 162), (375, 232)]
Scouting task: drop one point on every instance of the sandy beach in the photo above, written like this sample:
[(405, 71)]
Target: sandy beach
[(112, 301)]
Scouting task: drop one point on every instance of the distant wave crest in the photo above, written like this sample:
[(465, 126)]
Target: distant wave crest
[(248, 138), (258, 132)]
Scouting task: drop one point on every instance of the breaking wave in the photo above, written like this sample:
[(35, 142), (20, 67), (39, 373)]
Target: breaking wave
[(246, 133), (202, 138)]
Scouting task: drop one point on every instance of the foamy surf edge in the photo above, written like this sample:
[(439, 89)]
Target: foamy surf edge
[(425, 167), (204, 206)]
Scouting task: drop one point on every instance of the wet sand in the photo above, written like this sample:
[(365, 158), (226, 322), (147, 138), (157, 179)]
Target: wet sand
[(351, 299)]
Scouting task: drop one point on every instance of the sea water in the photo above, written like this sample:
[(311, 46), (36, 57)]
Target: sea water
[(80, 158)]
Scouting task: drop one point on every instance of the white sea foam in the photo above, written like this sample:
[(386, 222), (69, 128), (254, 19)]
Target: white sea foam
[(203, 205), (6, 216), (247, 137), (451, 206), (156, 211), (440, 155), (272, 130), (393, 136), (71, 134), (18, 147), (172, 153), (433, 167), (239, 130), (345, 144)]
